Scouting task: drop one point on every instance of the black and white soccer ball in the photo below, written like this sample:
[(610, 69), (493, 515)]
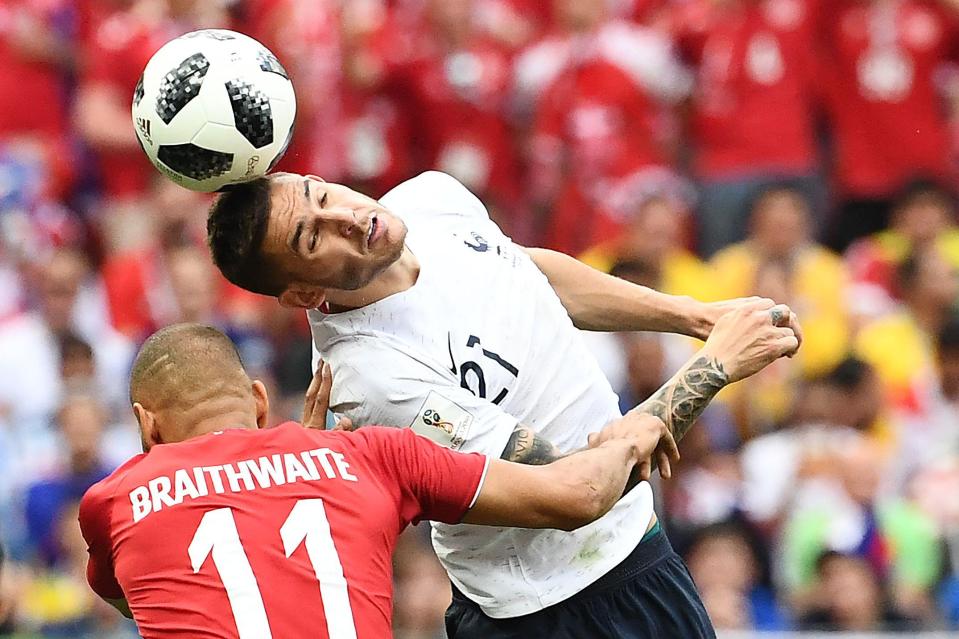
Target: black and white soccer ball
[(214, 108)]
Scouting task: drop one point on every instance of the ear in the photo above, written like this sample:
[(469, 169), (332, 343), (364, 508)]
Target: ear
[(315, 177), (262, 402), (302, 296), (149, 433)]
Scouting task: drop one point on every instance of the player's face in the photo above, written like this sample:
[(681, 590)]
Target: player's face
[(328, 235)]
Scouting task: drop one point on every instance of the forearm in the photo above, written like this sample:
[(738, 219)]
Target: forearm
[(565, 494), (596, 301), (597, 477), (526, 447), (681, 400)]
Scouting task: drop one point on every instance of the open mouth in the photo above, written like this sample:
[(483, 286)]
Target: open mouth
[(371, 233)]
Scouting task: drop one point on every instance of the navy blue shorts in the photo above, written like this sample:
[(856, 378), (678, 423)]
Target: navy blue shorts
[(649, 595)]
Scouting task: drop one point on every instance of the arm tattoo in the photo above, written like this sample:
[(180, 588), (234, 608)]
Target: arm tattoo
[(683, 398), (526, 447)]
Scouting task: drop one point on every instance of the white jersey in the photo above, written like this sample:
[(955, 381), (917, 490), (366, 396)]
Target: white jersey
[(480, 343)]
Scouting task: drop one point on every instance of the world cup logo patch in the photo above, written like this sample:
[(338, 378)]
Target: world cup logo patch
[(443, 421), (432, 418)]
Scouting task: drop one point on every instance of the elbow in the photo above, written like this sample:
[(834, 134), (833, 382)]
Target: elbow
[(585, 503)]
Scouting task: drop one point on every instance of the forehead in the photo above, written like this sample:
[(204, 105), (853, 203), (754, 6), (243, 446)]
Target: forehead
[(286, 195)]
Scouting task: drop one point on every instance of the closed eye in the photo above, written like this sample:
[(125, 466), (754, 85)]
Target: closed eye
[(295, 240), (314, 239), (323, 201)]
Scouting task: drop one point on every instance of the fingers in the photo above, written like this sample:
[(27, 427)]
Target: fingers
[(787, 345), (796, 328), (326, 386), (644, 470), (780, 314), (665, 469), (317, 400), (314, 388), (345, 423)]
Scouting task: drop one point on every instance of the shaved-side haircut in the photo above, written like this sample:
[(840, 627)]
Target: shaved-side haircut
[(183, 364)]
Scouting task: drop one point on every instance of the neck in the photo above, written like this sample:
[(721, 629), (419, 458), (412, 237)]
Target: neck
[(210, 416), (399, 276)]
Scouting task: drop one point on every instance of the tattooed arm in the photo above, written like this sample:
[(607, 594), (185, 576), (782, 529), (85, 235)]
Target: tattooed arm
[(681, 400), (645, 432), (526, 447)]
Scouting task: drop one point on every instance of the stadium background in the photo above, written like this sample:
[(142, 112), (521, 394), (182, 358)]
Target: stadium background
[(796, 149)]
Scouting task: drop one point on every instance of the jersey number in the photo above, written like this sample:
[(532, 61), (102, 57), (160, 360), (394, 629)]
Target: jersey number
[(307, 524), (470, 366)]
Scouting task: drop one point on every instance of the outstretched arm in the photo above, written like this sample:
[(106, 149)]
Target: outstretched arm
[(596, 301)]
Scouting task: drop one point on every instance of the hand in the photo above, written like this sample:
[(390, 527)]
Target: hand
[(711, 313), (649, 436), (317, 401), (747, 339)]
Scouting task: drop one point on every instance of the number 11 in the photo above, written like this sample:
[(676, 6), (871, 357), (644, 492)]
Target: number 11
[(218, 536)]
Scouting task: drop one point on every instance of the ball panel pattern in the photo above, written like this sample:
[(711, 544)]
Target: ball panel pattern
[(220, 35), (270, 64), (252, 114), (181, 85), (138, 92), (195, 162), (279, 154)]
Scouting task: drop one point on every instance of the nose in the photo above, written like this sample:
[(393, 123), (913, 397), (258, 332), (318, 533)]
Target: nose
[(342, 219)]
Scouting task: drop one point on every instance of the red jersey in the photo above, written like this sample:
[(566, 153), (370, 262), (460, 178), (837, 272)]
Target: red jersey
[(305, 36), (287, 532), (888, 118), (755, 95), (598, 123), (26, 81), (118, 52), (461, 100)]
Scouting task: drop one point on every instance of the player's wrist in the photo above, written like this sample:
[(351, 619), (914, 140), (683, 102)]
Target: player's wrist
[(688, 316), (721, 360)]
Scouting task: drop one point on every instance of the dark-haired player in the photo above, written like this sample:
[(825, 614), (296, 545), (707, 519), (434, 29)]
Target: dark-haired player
[(432, 318), (224, 530)]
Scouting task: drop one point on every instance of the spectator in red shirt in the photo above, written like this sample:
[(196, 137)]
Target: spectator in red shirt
[(305, 36), (888, 123), (36, 60), (456, 84), (115, 59), (36, 56), (751, 123), (600, 91), (137, 281), (923, 213)]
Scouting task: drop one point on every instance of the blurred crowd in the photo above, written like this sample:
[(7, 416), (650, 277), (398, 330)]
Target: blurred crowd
[(804, 150)]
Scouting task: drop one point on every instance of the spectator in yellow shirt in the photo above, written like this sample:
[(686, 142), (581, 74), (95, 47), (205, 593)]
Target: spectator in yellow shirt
[(653, 240), (780, 245), (900, 346), (923, 213), (779, 259)]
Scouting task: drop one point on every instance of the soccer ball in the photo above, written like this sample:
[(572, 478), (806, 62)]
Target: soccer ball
[(213, 108)]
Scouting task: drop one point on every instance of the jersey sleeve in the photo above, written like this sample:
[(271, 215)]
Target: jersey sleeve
[(378, 383), (95, 526), (435, 483)]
